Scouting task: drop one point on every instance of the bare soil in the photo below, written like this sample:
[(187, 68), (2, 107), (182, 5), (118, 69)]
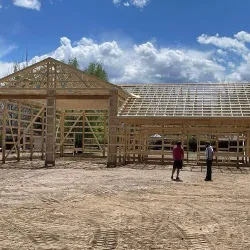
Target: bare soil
[(83, 205)]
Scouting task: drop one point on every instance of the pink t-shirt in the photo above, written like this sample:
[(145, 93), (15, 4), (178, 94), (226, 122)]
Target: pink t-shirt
[(178, 153)]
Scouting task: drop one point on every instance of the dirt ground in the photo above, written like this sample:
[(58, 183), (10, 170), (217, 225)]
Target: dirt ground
[(83, 205)]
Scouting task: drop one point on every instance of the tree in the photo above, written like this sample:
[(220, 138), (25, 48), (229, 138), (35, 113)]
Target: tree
[(74, 63), (97, 70)]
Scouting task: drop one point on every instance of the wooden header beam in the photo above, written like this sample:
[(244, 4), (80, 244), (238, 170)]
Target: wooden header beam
[(174, 120)]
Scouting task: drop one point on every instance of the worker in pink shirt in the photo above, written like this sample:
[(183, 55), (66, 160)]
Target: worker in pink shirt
[(178, 155)]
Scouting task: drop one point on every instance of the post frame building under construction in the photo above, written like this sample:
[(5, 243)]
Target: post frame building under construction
[(50, 109)]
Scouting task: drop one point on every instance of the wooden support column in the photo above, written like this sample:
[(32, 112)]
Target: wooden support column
[(43, 128), (4, 133), (105, 133), (217, 148), (83, 131), (248, 147), (238, 149), (50, 128), (62, 120), (124, 142), (162, 145), (19, 131), (187, 147), (112, 144), (31, 133)]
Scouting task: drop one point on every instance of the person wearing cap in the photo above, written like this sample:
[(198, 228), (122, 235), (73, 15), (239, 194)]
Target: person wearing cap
[(178, 155), (209, 160)]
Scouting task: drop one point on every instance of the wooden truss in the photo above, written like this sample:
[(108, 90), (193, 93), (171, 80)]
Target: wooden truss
[(188, 100)]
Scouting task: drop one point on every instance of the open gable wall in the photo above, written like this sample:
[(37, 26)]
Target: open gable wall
[(57, 87)]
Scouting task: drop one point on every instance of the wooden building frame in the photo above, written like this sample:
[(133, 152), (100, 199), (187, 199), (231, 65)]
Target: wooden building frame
[(47, 106), (48, 90), (216, 112)]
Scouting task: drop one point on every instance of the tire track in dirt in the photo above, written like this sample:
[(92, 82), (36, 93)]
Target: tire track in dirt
[(33, 234), (226, 229), (104, 239), (154, 227)]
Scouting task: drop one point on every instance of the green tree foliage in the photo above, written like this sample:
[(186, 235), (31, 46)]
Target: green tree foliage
[(97, 70), (74, 63)]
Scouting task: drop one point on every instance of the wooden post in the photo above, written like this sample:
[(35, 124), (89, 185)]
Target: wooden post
[(83, 130), (187, 147), (105, 133), (112, 146), (248, 145), (50, 128), (124, 141), (31, 133), (43, 128), (238, 149), (4, 133), (62, 133), (19, 131), (217, 148), (162, 145), (244, 147)]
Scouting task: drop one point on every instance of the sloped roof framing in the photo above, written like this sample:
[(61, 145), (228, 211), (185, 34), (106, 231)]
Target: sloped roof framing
[(34, 81), (214, 100)]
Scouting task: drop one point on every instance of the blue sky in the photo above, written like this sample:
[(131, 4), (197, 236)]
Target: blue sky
[(135, 40)]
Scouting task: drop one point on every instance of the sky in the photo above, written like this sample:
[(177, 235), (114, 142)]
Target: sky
[(137, 41)]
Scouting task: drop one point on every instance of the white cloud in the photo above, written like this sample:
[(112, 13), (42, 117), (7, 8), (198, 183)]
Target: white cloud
[(142, 62), (1, 6), (243, 36), (29, 4), (137, 3), (5, 68), (224, 43), (116, 2), (222, 52), (146, 62)]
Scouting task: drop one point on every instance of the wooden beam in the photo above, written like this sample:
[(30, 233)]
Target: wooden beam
[(50, 128), (36, 96), (83, 130), (43, 128), (112, 147), (4, 132), (62, 118), (32, 133), (19, 130)]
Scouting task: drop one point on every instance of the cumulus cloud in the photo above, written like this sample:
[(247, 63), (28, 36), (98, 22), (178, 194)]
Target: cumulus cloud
[(29, 4), (137, 3), (149, 63), (243, 36), (5, 68), (227, 43), (116, 2), (127, 4)]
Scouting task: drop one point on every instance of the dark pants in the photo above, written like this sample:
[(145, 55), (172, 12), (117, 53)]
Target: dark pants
[(209, 170)]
